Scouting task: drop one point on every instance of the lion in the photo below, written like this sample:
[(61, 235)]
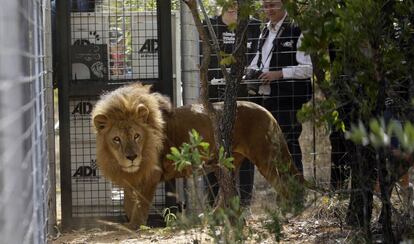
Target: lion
[(135, 129)]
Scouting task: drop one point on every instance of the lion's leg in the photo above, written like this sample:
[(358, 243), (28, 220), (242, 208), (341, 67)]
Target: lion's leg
[(137, 203), (273, 160), (128, 203), (238, 159), (246, 181), (287, 184)]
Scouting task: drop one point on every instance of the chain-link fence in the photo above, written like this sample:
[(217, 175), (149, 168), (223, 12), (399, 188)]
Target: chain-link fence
[(26, 105)]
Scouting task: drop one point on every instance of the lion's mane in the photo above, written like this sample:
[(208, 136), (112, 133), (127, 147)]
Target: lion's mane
[(120, 106)]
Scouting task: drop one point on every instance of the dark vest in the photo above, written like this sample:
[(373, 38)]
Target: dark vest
[(284, 54), (284, 45)]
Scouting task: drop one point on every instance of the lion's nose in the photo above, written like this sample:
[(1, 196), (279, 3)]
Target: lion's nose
[(132, 157)]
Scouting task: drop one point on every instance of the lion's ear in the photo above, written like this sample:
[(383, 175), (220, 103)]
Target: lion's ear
[(164, 102), (100, 121), (148, 87), (142, 112)]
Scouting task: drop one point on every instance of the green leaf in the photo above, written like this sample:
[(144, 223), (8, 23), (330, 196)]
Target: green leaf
[(232, 26), (205, 145), (221, 153), (182, 164), (358, 134), (340, 126), (196, 157), (175, 152), (335, 114), (226, 162), (193, 134), (227, 61), (144, 227)]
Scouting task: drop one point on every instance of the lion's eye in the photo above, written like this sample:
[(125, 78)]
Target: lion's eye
[(117, 140), (136, 136)]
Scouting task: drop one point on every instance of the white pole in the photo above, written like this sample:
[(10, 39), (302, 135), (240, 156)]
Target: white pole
[(190, 54), (13, 193)]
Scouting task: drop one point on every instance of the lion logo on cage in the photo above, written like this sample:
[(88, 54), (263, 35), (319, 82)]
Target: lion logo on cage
[(98, 69)]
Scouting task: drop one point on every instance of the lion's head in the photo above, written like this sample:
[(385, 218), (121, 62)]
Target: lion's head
[(129, 132)]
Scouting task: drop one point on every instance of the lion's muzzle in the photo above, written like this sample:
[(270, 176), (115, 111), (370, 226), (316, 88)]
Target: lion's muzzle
[(131, 168), (131, 157), (131, 163)]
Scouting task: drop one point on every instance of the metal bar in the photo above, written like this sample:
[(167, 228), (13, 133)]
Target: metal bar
[(48, 67), (63, 75), (166, 71), (165, 47)]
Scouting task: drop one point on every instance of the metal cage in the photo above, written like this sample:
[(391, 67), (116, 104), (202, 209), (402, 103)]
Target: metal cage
[(104, 45)]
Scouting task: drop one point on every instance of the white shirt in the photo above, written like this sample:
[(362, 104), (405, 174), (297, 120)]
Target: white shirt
[(301, 71)]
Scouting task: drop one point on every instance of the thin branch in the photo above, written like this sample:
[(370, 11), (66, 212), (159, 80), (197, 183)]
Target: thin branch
[(239, 45), (215, 45)]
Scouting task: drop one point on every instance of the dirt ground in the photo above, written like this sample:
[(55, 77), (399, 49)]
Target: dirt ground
[(314, 225), (319, 223), (294, 232)]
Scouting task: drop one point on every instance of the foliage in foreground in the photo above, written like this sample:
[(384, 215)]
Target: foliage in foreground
[(363, 57), (382, 135), (225, 225)]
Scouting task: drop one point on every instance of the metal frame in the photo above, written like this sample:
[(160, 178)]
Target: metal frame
[(71, 89), (63, 72)]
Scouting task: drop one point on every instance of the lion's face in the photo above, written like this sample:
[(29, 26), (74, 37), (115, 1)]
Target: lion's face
[(126, 142), (129, 128), (124, 137)]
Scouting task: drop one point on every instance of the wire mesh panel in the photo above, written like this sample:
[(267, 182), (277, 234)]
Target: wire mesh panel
[(114, 40), (24, 85), (92, 194), (110, 43), (283, 96)]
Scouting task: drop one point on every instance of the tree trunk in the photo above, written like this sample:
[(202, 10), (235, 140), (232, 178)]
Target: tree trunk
[(386, 184), (223, 125), (363, 179), (230, 101)]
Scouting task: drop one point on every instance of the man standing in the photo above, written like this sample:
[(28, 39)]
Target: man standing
[(284, 73)]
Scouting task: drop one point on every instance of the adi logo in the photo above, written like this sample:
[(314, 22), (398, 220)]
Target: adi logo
[(86, 173), (83, 108), (150, 46), (149, 49)]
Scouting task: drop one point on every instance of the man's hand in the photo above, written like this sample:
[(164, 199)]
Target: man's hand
[(267, 77)]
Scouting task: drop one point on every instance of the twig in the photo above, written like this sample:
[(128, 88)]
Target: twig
[(213, 36)]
